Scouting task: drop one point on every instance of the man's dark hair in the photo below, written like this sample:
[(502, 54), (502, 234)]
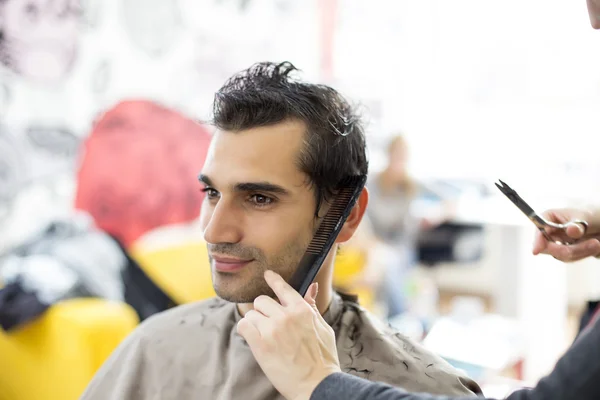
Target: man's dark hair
[(266, 94)]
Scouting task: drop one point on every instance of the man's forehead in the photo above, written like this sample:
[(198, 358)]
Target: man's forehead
[(263, 153)]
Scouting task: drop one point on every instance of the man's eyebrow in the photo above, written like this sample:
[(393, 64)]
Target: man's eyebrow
[(261, 187), (250, 186), (205, 179)]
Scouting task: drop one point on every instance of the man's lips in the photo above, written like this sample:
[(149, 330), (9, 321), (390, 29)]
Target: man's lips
[(229, 264)]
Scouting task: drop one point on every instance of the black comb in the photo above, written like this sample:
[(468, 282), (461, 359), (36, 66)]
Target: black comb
[(328, 230)]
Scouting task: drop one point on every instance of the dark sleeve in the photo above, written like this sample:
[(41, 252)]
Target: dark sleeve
[(348, 387), (576, 376)]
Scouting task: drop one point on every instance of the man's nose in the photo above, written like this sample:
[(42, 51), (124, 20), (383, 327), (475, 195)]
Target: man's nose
[(224, 224)]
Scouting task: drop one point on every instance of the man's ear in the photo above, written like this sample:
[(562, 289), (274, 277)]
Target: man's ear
[(356, 215)]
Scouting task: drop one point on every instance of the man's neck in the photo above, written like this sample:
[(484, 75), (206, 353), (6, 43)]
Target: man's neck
[(324, 279)]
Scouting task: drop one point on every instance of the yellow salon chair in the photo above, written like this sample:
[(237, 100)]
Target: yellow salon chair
[(56, 356), (349, 264), (181, 270)]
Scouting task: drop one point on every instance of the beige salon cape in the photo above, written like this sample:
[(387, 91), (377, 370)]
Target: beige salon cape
[(193, 352)]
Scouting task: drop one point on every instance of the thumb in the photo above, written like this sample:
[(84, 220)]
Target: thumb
[(311, 296), (311, 299)]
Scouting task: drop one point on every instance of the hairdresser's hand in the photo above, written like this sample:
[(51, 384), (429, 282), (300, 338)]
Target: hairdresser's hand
[(291, 342), (588, 246)]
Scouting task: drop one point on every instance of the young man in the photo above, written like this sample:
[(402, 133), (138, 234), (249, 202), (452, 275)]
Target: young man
[(281, 149)]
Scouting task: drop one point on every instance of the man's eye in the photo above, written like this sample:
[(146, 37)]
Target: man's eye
[(210, 193), (260, 200)]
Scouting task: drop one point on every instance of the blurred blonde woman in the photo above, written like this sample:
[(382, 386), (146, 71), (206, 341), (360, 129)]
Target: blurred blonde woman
[(391, 193)]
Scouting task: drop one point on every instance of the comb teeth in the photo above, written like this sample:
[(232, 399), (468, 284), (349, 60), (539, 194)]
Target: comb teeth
[(328, 230), (331, 221)]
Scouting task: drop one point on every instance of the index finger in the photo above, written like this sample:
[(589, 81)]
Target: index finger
[(284, 292)]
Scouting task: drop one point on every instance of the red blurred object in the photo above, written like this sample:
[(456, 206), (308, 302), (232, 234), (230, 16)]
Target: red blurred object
[(139, 167)]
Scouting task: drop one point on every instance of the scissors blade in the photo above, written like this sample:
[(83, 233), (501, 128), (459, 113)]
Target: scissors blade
[(538, 221), (516, 199)]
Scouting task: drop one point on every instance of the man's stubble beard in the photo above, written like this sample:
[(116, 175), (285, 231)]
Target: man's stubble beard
[(249, 283)]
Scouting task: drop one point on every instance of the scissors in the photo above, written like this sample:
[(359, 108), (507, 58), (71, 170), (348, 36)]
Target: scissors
[(541, 223)]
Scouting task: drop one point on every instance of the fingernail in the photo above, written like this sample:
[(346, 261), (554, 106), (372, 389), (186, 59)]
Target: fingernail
[(316, 290)]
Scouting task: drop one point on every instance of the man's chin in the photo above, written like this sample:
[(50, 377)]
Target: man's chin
[(239, 290), (236, 298)]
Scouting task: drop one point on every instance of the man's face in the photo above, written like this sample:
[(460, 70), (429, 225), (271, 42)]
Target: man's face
[(258, 212), (594, 9)]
